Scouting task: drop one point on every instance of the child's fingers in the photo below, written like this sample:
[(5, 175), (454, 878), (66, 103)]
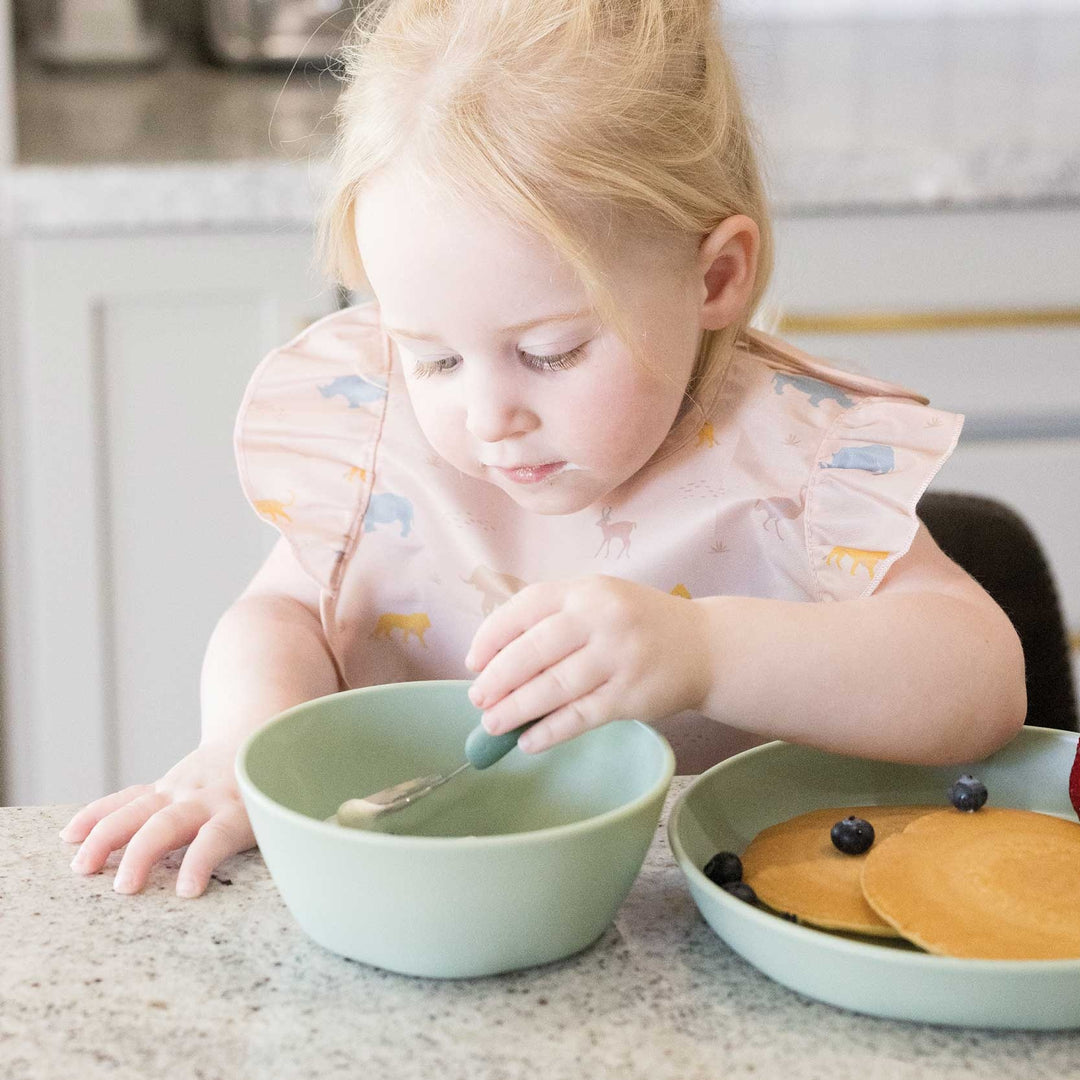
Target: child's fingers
[(566, 723), (114, 831), (171, 827), (76, 830), (547, 690), (546, 643), (225, 834), (507, 621)]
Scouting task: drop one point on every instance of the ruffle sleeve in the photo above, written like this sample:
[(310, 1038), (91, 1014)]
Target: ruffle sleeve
[(307, 433), (875, 460)]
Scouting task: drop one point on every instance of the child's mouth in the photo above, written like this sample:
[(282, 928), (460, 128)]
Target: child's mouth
[(533, 474)]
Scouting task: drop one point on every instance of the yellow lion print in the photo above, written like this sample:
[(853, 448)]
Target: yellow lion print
[(274, 509), (356, 472), (681, 590), (390, 621), (705, 435), (859, 557)]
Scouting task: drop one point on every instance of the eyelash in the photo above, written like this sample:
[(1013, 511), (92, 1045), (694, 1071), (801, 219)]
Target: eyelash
[(426, 368)]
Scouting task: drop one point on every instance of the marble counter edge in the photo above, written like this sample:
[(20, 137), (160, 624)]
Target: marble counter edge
[(47, 200)]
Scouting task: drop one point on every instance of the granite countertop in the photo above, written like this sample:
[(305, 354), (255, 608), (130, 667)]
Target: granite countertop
[(952, 111), (95, 984)]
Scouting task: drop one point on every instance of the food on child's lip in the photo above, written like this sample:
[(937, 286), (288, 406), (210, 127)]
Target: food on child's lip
[(723, 867), (852, 835), (794, 867), (1001, 884), (967, 793)]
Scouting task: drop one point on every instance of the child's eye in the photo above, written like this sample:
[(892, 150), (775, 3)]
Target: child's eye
[(553, 363), (423, 369)]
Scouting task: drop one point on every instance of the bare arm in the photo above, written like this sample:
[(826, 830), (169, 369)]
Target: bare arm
[(928, 669), (266, 654)]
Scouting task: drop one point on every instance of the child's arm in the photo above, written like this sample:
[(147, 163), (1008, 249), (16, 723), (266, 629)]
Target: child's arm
[(266, 654), (928, 669)]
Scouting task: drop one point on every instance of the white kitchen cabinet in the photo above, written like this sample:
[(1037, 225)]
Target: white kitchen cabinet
[(126, 533), (980, 311)]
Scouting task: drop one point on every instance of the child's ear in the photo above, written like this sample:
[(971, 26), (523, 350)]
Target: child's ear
[(727, 263)]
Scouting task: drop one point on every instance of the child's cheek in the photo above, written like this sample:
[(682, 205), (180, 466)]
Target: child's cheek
[(438, 423)]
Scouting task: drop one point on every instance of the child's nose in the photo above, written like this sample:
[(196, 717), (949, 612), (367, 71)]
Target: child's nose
[(495, 411)]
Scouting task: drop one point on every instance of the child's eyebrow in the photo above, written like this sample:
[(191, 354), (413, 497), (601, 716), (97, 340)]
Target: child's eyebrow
[(516, 328)]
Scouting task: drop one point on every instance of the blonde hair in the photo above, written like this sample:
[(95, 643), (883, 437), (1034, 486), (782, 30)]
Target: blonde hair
[(562, 114)]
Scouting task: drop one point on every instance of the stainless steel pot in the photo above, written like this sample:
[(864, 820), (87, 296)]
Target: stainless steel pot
[(261, 32), (88, 33)]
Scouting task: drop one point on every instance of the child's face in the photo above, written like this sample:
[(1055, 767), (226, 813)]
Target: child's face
[(582, 424)]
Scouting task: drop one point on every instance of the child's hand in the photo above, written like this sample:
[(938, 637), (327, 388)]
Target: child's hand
[(196, 802), (585, 652)]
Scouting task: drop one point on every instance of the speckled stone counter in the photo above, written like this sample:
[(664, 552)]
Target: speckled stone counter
[(94, 984)]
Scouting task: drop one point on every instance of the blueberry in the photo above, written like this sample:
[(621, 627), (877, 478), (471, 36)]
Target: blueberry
[(723, 867), (852, 836), (967, 793), (740, 890)]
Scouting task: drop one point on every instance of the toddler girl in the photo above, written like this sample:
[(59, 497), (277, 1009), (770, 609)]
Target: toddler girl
[(551, 452)]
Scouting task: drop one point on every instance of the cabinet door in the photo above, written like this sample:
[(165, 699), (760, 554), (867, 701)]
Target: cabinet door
[(133, 534), (980, 311)]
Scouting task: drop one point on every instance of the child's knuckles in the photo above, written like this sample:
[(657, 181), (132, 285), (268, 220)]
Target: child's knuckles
[(570, 720), (218, 835), (171, 821), (107, 835)]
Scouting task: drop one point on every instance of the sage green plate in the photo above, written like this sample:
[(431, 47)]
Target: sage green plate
[(724, 808), (523, 863)]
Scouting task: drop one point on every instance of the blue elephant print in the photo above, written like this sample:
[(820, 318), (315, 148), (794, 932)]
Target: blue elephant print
[(386, 508), (355, 389), (874, 458), (815, 389)]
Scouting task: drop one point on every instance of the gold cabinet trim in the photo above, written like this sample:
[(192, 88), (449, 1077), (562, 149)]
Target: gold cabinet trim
[(883, 322)]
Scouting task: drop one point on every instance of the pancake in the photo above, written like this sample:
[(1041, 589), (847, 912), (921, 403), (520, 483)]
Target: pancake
[(794, 867), (996, 884)]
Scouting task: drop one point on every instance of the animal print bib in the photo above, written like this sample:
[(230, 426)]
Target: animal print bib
[(801, 485)]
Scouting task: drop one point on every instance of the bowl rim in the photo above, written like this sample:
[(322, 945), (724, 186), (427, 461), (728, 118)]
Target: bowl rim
[(805, 934), (249, 790)]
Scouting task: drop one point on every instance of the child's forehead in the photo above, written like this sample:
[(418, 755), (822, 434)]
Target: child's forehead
[(442, 266), (409, 245), (410, 191)]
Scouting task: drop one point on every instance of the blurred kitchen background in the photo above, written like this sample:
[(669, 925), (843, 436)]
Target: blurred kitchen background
[(160, 164)]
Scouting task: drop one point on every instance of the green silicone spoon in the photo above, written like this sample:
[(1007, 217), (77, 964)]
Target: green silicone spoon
[(481, 750)]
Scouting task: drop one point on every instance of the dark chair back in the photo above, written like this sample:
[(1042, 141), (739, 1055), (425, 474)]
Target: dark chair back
[(996, 547)]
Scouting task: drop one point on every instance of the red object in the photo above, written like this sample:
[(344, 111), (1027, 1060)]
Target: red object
[(1074, 782)]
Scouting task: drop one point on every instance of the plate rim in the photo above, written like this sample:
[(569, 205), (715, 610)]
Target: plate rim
[(917, 960)]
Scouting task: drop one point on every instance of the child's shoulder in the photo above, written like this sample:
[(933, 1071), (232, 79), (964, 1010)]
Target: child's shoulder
[(790, 368), (351, 339), (793, 374), (843, 455), (308, 431)]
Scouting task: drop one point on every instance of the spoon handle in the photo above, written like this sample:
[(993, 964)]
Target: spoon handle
[(483, 749)]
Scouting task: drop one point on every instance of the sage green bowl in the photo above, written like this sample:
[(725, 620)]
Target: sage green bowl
[(724, 808), (523, 863)]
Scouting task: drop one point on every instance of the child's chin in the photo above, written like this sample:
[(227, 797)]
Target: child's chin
[(548, 499)]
